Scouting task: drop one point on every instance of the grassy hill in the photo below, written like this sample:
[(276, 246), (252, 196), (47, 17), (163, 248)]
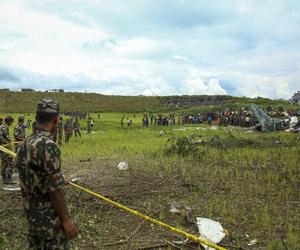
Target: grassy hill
[(12, 102)]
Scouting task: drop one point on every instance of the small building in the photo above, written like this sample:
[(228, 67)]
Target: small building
[(295, 98), (27, 90)]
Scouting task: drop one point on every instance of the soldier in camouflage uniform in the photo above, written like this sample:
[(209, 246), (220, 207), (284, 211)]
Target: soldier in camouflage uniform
[(89, 125), (19, 132), (41, 180), (67, 131), (60, 130), (77, 128), (6, 160), (71, 127)]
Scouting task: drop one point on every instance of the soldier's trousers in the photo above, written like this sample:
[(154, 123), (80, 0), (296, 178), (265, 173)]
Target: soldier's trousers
[(37, 241), (6, 165), (77, 132), (67, 138)]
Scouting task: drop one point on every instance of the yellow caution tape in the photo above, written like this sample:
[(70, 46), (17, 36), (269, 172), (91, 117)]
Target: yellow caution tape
[(154, 221), (6, 145), (5, 150), (136, 213)]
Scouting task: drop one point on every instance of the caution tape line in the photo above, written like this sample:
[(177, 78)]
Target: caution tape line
[(152, 220), (6, 145), (136, 213), (7, 151)]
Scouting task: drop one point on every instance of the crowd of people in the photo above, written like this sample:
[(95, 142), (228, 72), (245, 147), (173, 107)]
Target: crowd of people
[(225, 118), (239, 118)]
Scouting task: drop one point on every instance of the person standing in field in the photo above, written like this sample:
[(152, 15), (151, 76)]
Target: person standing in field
[(19, 132), (71, 127), (147, 122), (41, 180), (77, 128), (209, 120), (6, 160), (67, 131), (89, 125), (60, 130)]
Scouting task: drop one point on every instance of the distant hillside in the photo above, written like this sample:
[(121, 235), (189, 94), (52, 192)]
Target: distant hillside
[(13, 102)]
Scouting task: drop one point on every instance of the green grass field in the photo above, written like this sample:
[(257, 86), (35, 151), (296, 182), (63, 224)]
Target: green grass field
[(248, 181)]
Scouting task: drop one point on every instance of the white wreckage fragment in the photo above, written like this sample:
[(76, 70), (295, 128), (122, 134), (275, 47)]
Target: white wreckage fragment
[(123, 166), (210, 230), (294, 121)]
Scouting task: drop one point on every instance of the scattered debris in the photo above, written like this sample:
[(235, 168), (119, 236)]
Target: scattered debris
[(252, 242), (123, 166), (210, 230), (173, 209), (75, 179), (294, 121), (178, 208)]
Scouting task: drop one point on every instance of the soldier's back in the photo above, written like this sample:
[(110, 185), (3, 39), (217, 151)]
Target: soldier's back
[(38, 162)]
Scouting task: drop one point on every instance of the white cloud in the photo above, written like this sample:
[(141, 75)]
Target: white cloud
[(196, 86), (241, 48)]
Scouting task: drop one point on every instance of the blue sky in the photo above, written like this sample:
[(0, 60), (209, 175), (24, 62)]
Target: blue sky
[(151, 47)]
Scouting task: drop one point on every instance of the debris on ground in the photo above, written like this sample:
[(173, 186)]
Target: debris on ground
[(173, 209), (252, 242), (123, 166), (210, 230), (161, 133), (178, 208), (294, 121)]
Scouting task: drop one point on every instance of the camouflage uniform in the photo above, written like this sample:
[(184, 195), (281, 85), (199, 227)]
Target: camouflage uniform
[(39, 165), (77, 128), (19, 132), (89, 125), (67, 131), (6, 160), (71, 127), (60, 131)]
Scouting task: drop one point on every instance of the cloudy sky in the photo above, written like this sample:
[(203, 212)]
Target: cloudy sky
[(152, 47)]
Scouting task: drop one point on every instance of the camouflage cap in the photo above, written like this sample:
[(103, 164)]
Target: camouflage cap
[(47, 106)]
